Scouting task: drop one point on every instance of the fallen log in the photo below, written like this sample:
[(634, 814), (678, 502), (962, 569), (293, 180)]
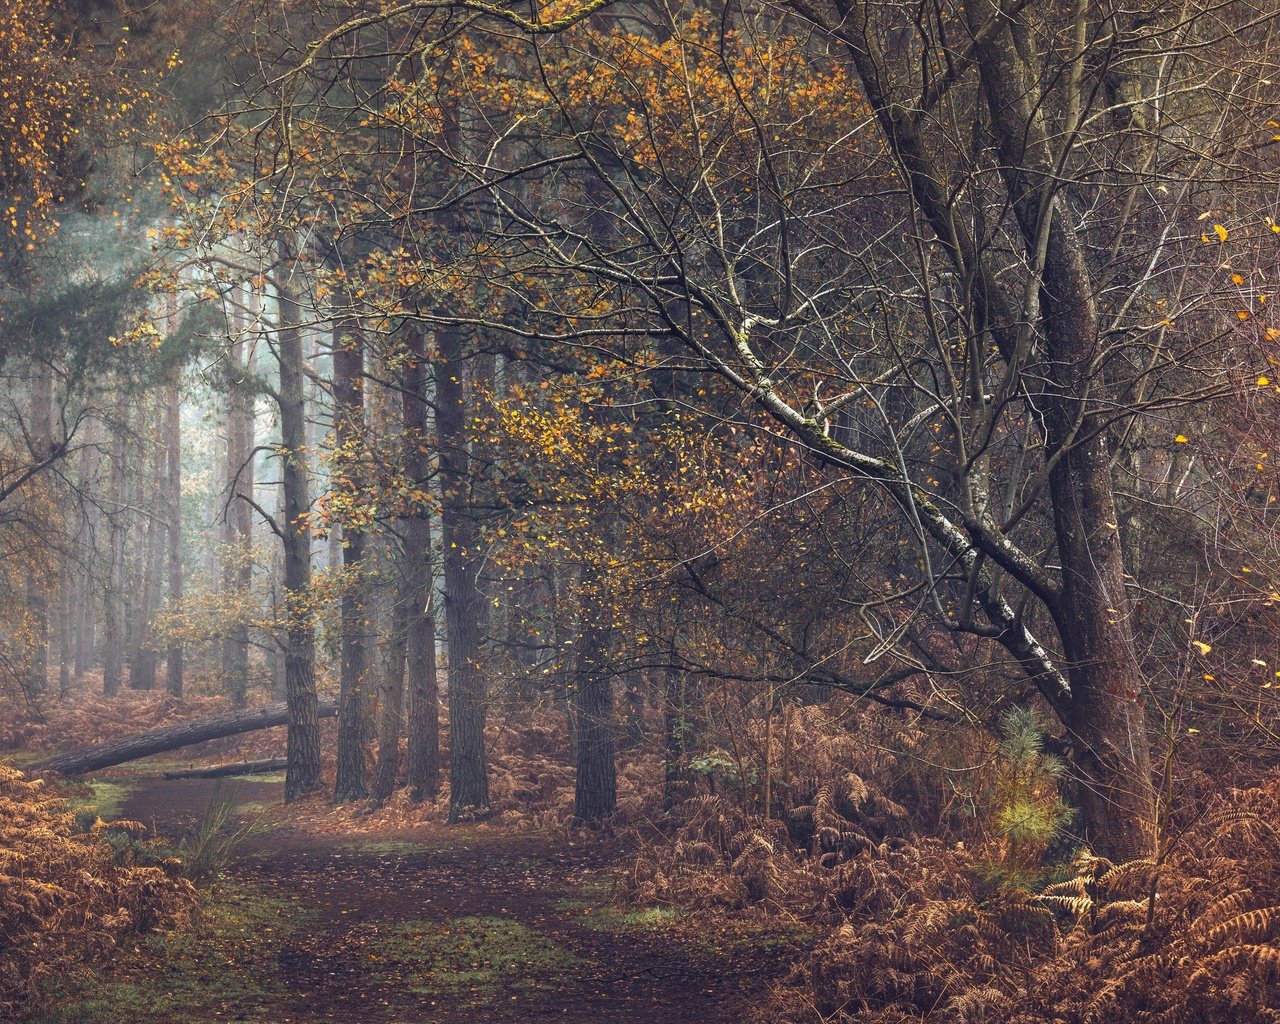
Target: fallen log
[(218, 771), (171, 737)]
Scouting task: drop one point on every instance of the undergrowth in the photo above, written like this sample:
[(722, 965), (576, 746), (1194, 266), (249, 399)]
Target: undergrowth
[(65, 897), (981, 925)]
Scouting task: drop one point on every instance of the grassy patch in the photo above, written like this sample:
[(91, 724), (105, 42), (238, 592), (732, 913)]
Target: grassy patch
[(602, 916), (387, 847), (224, 969), (106, 798), (470, 960)]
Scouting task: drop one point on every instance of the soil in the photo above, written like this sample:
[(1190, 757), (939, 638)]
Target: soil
[(391, 925)]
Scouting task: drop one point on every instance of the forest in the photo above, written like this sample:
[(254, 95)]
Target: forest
[(639, 511)]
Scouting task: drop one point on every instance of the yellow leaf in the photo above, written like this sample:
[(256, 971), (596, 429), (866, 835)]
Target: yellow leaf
[(1221, 232), (1237, 279), (1263, 382), (1181, 439), (1201, 646)]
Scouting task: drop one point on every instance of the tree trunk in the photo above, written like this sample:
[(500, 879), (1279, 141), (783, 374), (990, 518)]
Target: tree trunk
[(348, 370), (113, 597), (423, 770), (37, 681), (468, 777), (142, 665), (303, 773), (172, 737), (595, 795), (221, 771), (173, 506), (1106, 719), (83, 607), (237, 572), (391, 702)]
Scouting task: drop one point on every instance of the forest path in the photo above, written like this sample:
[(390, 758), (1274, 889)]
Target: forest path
[(450, 924)]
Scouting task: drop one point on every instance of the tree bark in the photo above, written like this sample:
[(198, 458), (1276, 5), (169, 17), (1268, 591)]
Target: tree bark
[(220, 771), (113, 598), (423, 769), (1110, 743), (348, 370), (237, 572), (303, 750), (595, 794), (37, 680), (391, 703), (172, 737), (173, 507), (142, 664), (468, 776)]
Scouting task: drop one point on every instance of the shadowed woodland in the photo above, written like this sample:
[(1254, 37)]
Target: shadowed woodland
[(625, 511)]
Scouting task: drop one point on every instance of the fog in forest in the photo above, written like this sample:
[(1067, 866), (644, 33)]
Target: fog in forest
[(615, 511)]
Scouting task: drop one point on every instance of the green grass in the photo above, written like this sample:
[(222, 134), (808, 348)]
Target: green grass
[(470, 960), (107, 798), (224, 969), (600, 915)]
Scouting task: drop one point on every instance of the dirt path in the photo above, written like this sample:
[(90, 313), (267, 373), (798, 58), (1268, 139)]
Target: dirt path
[(457, 923)]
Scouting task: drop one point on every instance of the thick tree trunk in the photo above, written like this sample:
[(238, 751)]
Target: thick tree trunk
[(1106, 719), (468, 776), (172, 737), (348, 370), (391, 704), (303, 773), (595, 795), (423, 696), (173, 508)]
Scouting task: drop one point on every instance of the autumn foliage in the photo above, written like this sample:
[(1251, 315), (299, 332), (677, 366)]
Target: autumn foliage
[(64, 897)]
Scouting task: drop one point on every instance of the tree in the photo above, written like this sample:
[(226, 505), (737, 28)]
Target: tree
[(942, 265), (348, 428)]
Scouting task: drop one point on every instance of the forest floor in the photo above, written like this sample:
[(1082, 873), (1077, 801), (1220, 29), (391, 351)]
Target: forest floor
[(444, 924)]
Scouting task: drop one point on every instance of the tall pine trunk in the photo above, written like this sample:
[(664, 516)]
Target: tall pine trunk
[(302, 775), (237, 571), (468, 775), (423, 683), (173, 509), (348, 394), (113, 596)]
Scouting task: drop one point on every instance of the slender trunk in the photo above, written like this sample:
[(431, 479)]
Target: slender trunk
[(237, 572), (348, 395), (423, 770), (173, 503), (113, 598), (85, 618), (38, 582), (66, 628), (142, 664), (303, 744), (468, 776)]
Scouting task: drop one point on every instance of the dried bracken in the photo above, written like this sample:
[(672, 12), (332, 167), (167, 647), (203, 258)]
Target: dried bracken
[(64, 899)]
